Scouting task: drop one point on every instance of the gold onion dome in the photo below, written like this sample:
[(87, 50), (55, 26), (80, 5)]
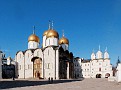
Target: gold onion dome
[(52, 33), (45, 33), (33, 37), (63, 40), (9, 58)]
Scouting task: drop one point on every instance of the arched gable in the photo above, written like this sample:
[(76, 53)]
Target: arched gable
[(28, 55), (38, 53), (19, 56)]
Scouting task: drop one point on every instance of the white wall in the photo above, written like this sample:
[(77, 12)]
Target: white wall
[(52, 41), (44, 41), (91, 69), (33, 45), (19, 58), (77, 68), (50, 55), (118, 74), (28, 64)]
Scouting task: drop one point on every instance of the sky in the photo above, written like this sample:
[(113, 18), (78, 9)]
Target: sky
[(86, 23)]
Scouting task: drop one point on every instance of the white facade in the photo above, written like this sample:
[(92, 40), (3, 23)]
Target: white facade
[(49, 65), (42, 62), (33, 45), (77, 68), (118, 74), (97, 67), (51, 41), (0, 65)]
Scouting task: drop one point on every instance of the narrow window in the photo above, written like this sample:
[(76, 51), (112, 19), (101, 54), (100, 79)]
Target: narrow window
[(37, 53), (49, 41), (28, 55), (48, 52), (20, 55)]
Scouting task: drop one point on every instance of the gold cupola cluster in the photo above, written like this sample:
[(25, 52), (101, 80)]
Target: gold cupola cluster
[(33, 37)]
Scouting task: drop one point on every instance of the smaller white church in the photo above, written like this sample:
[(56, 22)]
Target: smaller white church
[(98, 66)]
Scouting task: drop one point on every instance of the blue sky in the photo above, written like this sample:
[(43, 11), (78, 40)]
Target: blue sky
[(87, 24)]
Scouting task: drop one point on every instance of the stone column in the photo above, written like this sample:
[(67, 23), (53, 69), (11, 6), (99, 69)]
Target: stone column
[(67, 70), (57, 64)]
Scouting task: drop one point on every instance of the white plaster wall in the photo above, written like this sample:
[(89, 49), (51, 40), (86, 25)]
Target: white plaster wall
[(86, 70), (39, 53), (49, 58), (33, 45), (44, 41), (77, 67), (91, 70), (118, 74), (20, 64), (28, 63), (52, 41)]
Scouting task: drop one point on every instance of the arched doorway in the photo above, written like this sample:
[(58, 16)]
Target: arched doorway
[(107, 75), (37, 67), (98, 76)]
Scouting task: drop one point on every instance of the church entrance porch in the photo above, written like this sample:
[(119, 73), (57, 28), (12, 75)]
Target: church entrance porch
[(98, 75), (37, 67)]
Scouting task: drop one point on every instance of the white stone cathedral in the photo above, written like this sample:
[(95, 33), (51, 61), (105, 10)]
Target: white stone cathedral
[(45, 62), (98, 66)]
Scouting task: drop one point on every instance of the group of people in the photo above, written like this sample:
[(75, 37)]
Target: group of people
[(50, 80)]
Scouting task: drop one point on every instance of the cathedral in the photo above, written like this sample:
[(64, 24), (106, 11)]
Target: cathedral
[(51, 60), (98, 66)]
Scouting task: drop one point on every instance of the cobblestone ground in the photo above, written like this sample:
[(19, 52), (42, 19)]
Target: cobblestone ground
[(86, 84)]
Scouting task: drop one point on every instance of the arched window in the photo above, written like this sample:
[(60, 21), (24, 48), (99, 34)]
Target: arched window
[(37, 53), (20, 55)]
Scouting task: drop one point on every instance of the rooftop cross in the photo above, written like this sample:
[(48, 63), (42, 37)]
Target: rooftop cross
[(33, 29)]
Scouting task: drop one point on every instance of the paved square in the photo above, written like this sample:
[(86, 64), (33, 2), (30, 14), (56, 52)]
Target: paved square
[(86, 84)]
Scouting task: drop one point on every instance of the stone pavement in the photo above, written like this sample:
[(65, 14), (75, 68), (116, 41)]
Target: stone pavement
[(77, 84)]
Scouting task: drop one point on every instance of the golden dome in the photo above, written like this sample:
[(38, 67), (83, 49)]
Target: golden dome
[(33, 37), (45, 33), (63, 40), (9, 58), (52, 33)]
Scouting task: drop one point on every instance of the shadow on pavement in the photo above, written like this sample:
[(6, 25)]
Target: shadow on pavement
[(25, 83)]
